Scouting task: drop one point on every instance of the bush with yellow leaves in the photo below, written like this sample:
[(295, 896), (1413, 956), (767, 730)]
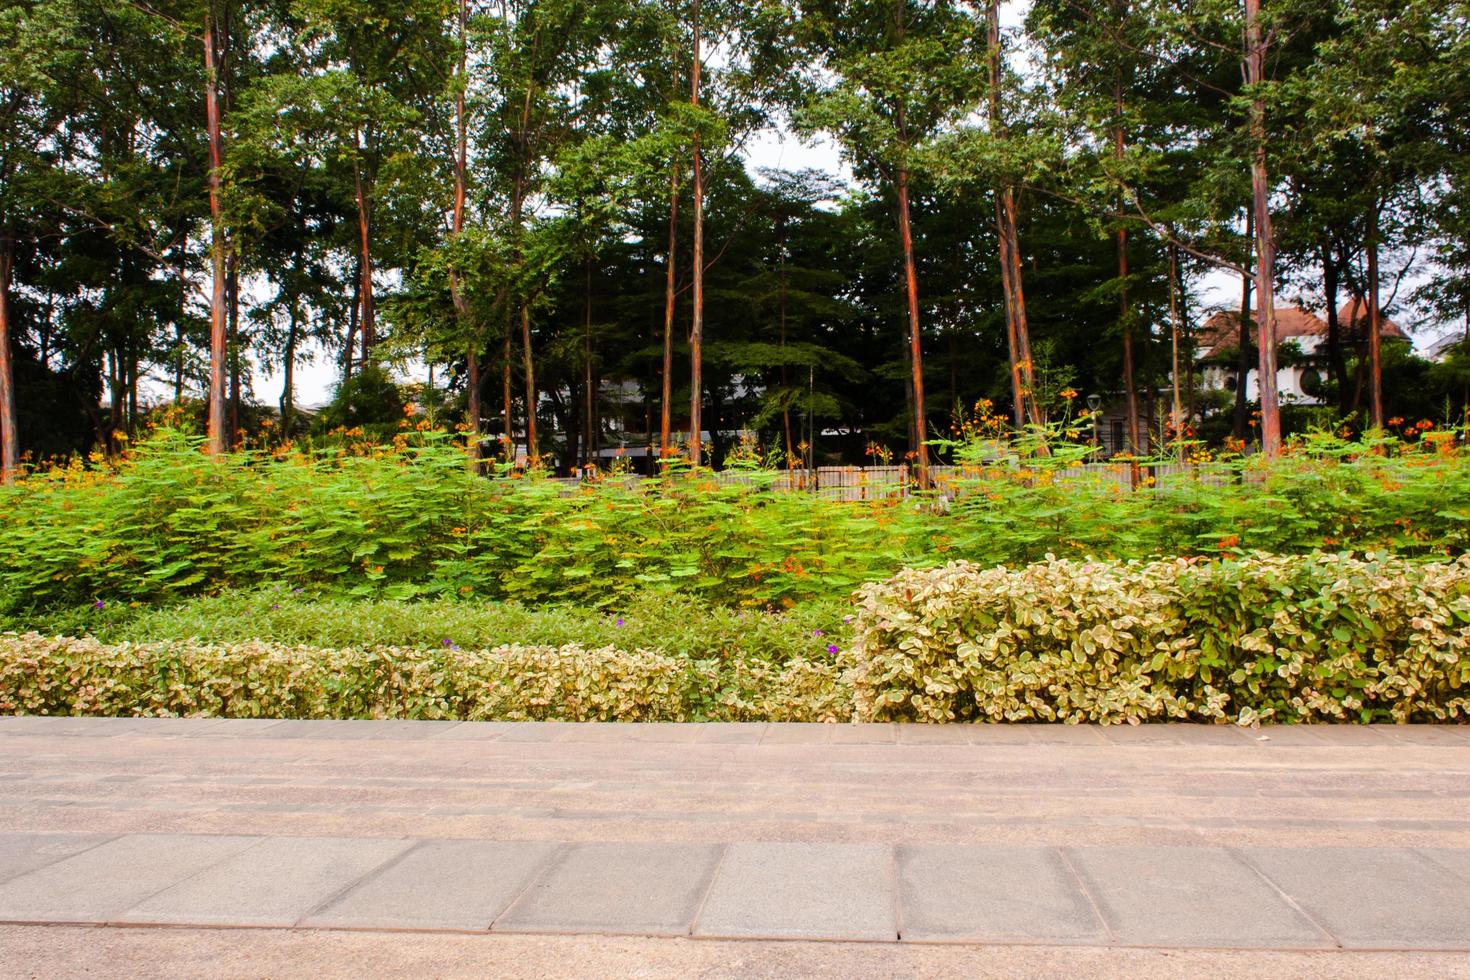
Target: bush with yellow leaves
[(1261, 637)]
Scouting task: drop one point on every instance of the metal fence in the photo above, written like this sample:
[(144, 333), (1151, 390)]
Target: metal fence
[(857, 483)]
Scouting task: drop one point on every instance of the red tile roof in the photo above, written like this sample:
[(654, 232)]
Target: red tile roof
[(1221, 332)]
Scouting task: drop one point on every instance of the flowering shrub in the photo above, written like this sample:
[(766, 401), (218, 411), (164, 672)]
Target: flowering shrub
[(1314, 638), (412, 520)]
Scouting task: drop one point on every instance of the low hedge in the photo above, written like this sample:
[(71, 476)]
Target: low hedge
[(1306, 638), (69, 676)]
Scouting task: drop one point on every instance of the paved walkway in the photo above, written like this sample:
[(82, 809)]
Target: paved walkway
[(1176, 837)]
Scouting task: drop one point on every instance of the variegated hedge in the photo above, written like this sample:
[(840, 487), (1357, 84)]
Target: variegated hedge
[(67, 676), (1307, 638)]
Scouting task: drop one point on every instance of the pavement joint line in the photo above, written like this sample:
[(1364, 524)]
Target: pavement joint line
[(105, 839), (1030, 944), (361, 879), (1281, 893), (259, 840), (548, 864), (709, 886), (895, 882), (1085, 888), (1418, 852)]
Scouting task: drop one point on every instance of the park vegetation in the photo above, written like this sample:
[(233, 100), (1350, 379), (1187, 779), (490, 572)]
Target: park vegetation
[(548, 202)]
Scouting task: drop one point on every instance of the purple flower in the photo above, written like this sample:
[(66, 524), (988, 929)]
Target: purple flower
[(98, 604), (816, 632), (831, 648), (298, 591), (619, 622), (275, 605), (847, 619)]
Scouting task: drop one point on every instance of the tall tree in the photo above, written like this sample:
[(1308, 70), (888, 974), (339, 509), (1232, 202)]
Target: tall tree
[(895, 74)]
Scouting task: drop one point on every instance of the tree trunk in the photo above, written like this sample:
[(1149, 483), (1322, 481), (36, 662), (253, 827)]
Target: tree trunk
[(1265, 242), (1334, 326), (216, 248), (781, 323), (9, 437), (916, 356), (533, 457), (589, 408), (1125, 322), (666, 405), (1023, 381), (183, 252), (507, 414), (696, 331), (288, 369), (353, 310), (1243, 337), (232, 291), (1176, 327), (1375, 341), (368, 324), (456, 293)]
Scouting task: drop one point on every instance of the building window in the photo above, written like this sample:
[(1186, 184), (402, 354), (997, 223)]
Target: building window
[(1311, 383)]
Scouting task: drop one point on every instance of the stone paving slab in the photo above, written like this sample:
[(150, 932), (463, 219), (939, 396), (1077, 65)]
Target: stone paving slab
[(100, 883), (20, 853), (1375, 898), (630, 889), (275, 882), (993, 894), (445, 884), (1182, 897), (802, 891), (1189, 896), (1183, 835)]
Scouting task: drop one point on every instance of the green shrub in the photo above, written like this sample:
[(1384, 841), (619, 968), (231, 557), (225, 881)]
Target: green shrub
[(670, 625), (65, 676), (411, 521), (1324, 637)]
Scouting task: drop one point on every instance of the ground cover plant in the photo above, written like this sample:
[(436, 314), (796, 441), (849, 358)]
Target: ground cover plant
[(669, 625), (1300, 638), (412, 520)]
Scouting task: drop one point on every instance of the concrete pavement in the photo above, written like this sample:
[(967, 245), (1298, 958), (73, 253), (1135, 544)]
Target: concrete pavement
[(1302, 841)]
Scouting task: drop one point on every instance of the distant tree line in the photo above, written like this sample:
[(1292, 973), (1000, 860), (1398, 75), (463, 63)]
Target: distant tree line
[(548, 201)]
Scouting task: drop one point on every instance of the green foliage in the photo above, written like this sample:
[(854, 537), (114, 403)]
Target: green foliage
[(1287, 639), (368, 399), (672, 626), (1314, 638), (413, 521)]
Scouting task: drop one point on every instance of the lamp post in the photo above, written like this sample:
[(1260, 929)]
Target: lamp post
[(1093, 403)]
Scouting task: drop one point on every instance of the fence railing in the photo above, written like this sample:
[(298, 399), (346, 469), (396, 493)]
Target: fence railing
[(887, 482)]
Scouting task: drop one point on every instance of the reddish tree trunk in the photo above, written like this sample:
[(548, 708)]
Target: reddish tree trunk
[(696, 331), (1023, 382), (456, 293), (1265, 243), (916, 356), (217, 339), (1375, 359), (368, 321), (9, 438), (666, 405)]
